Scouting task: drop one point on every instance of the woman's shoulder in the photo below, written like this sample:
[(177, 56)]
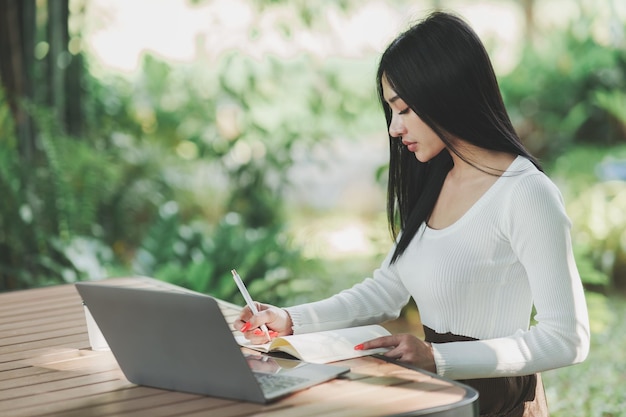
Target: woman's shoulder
[(523, 173), (529, 188)]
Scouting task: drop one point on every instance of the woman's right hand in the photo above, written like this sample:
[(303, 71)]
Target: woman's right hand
[(276, 319)]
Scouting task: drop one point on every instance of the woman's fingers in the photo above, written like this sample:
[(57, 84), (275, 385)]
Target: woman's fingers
[(276, 319), (405, 348)]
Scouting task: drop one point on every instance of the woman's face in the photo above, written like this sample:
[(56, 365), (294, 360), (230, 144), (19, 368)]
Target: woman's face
[(405, 125)]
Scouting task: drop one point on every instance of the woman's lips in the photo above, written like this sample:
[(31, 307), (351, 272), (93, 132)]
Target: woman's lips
[(411, 146)]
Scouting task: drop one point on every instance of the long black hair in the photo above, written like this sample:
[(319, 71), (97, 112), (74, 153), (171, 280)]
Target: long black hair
[(441, 70)]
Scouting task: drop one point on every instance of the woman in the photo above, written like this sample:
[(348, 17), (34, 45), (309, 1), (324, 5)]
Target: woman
[(481, 233)]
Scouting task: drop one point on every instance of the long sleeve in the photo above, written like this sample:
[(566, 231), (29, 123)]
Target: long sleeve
[(372, 301)]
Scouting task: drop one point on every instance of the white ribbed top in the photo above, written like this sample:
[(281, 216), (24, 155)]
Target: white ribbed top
[(479, 277)]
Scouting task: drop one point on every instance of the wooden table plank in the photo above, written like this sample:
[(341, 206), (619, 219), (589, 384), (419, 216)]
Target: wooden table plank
[(35, 323), (47, 332), (78, 339), (16, 373), (60, 385), (356, 399), (83, 406), (170, 406), (72, 367), (27, 315), (151, 404), (15, 297), (78, 391), (33, 357)]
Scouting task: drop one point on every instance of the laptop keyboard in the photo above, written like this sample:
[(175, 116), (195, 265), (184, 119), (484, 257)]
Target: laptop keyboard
[(271, 383)]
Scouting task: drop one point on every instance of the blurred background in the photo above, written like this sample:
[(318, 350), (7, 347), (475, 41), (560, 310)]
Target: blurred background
[(180, 139)]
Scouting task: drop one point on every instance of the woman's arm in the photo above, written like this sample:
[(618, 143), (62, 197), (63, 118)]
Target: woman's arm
[(539, 232), (372, 301)]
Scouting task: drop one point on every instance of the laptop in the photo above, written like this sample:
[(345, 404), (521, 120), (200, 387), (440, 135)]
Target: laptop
[(181, 341)]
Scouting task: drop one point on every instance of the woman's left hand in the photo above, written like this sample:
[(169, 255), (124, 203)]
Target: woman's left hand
[(405, 348)]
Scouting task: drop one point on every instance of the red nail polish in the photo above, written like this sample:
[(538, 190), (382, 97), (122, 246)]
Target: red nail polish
[(273, 334), (359, 347), (245, 327), (258, 332)]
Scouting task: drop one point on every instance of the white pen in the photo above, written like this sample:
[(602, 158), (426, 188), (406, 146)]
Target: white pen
[(246, 296)]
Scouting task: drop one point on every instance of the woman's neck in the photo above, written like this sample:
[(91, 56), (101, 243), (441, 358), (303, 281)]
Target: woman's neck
[(476, 162)]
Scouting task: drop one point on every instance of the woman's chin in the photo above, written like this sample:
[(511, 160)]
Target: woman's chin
[(421, 157)]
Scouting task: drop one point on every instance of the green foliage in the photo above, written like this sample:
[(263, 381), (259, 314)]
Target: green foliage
[(600, 217), (567, 88), (614, 103), (596, 386), (74, 211), (307, 12), (6, 123), (598, 213), (242, 123), (217, 138), (47, 207), (200, 256)]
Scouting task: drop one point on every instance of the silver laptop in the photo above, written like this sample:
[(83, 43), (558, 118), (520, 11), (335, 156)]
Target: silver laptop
[(181, 341)]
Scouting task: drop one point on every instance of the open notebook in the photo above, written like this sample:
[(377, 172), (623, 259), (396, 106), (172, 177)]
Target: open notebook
[(323, 347)]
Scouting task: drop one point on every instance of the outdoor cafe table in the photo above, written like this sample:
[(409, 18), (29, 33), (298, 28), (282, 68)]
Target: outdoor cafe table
[(47, 368)]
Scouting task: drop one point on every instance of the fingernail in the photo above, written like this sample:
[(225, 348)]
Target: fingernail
[(245, 327), (273, 334), (257, 332), (359, 347)]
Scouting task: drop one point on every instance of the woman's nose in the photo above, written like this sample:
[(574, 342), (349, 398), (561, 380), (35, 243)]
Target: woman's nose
[(396, 127)]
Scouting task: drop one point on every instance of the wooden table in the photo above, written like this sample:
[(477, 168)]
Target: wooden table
[(47, 368)]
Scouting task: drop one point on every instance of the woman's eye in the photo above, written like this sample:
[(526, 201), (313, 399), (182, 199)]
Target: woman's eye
[(405, 111)]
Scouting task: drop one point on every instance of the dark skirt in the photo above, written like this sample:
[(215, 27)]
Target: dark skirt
[(520, 396)]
